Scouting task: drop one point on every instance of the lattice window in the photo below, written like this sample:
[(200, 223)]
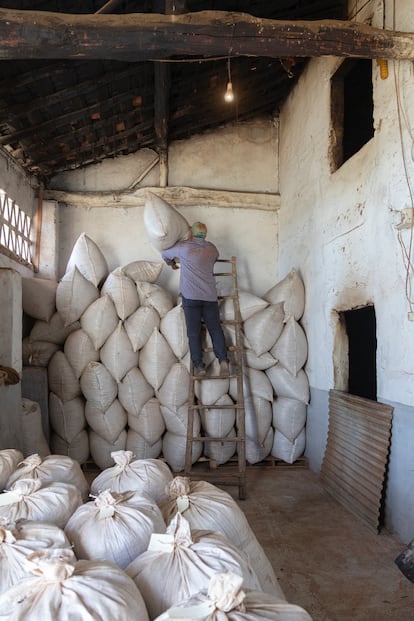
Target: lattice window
[(15, 226)]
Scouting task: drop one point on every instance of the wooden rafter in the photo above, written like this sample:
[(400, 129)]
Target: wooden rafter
[(138, 37)]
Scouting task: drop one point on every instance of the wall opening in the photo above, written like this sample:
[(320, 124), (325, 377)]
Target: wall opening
[(352, 109), (361, 331)]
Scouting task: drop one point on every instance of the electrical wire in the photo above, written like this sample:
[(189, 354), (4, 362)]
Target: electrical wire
[(406, 249)]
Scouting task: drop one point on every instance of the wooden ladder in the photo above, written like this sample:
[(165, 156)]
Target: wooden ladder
[(225, 474)]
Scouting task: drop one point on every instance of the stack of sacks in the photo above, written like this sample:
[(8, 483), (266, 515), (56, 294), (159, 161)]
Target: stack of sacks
[(33, 437), (228, 599), (62, 587), (183, 561), (289, 380), (205, 506), (39, 302), (120, 378)]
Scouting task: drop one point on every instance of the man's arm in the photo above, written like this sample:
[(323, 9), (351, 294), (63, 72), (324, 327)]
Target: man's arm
[(170, 258)]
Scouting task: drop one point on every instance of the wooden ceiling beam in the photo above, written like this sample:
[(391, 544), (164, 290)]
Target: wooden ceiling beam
[(138, 37)]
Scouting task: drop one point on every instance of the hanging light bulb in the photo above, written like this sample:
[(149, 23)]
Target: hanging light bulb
[(229, 95)]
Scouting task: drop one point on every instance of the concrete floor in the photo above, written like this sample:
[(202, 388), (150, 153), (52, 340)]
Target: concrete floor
[(326, 560)]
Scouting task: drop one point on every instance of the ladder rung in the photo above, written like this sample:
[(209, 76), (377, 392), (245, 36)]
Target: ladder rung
[(211, 439), (225, 406), (229, 348)]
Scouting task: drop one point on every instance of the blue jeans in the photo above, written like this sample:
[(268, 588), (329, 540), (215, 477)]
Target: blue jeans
[(196, 311)]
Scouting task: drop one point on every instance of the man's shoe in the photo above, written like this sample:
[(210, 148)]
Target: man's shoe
[(224, 368), (199, 372)]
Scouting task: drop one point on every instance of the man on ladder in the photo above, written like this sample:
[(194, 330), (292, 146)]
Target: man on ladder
[(197, 257)]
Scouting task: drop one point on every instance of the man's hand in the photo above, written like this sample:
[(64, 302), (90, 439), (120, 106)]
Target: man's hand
[(172, 264)]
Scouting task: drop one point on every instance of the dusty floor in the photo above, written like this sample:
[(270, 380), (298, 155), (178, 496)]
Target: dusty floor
[(326, 560)]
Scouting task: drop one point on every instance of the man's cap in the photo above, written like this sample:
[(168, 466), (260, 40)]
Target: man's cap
[(199, 229)]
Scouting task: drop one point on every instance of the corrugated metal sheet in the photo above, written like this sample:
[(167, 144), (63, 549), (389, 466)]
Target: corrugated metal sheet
[(356, 456)]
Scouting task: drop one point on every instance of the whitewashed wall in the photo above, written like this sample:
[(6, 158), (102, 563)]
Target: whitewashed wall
[(240, 157), (339, 231)]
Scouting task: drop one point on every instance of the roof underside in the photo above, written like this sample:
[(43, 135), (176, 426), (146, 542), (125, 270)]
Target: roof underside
[(59, 115)]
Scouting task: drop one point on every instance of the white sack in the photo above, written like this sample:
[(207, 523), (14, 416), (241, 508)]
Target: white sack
[(67, 418), (149, 422), (258, 452), (99, 320), (163, 223), (291, 291), (140, 325), (37, 353), (264, 328), (289, 416), (79, 350), (147, 271), (156, 359), (19, 540), (9, 459), (115, 526), (291, 348), (255, 382), (173, 450), (62, 378), (64, 588), (141, 448), (286, 450), (101, 450), (139, 475), (52, 468), (117, 353), (134, 391), (30, 500), (155, 296), (39, 297), (263, 362), (98, 385), (33, 437), (53, 331), (107, 423), (287, 385), (74, 294), (176, 421), (122, 291), (225, 600), (205, 506), (77, 449), (218, 421), (221, 452), (258, 415), (174, 328), (174, 390), (209, 390), (89, 260), (249, 305), (184, 560)]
